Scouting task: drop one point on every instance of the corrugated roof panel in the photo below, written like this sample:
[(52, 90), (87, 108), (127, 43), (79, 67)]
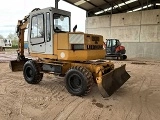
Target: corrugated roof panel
[(119, 6), (87, 6), (98, 2)]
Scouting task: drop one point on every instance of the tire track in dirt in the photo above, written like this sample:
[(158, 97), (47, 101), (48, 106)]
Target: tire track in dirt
[(51, 90), (141, 96), (145, 92), (9, 106), (65, 107), (139, 100), (55, 109), (87, 110), (145, 101), (50, 100), (40, 89), (150, 110), (69, 109), (135, 100)]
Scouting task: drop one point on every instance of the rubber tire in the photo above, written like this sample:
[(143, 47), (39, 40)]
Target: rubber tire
[(85, 77), (124, 57), (32, 66)]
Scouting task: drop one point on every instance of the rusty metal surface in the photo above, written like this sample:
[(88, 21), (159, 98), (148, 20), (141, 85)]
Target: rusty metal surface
[(16, 65), (112, 81)]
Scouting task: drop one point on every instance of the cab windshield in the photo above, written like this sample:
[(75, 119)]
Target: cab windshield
[(61, 23)]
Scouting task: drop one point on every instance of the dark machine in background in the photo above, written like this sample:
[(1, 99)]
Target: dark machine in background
[(114, 49)]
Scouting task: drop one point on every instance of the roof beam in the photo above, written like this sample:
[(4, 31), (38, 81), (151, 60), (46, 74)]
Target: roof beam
[(94, 5), (73, 4), (111, 3), (154, 3), (127, 5), (112, 6), (118, 6), (139, 3), (135, 7)]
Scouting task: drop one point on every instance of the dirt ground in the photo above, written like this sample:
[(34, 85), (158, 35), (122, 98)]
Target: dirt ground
[(137, 99)]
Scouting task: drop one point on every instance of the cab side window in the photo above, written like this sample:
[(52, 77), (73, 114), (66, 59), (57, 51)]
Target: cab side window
[(37, 28), (108, 43), (114, 43)]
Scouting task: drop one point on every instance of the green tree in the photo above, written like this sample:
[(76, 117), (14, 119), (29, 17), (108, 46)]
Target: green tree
[(13, 36), (14, 39)]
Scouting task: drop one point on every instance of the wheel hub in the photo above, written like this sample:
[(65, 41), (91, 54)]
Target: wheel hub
[(75, 82), (29, 72)]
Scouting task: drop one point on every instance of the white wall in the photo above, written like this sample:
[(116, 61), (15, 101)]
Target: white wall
[(139, 31), (142, 26)]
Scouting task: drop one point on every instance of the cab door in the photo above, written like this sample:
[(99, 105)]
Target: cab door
[(37, 34), (108, 46), (113, 45), (48, 37)]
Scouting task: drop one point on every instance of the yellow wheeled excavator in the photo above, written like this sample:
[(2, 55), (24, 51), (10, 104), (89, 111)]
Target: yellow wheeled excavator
[(76, 56)]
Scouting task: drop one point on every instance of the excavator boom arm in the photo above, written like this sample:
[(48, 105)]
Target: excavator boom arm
[(16, 65), (21, 26)]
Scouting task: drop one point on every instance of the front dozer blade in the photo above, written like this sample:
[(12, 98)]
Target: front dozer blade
[(16, 65), (112, 81)]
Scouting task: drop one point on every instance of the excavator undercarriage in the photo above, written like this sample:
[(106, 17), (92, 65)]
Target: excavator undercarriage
[(101, 72)]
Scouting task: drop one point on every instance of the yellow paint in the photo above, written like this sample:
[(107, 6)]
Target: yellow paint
[(81, 55), (39, 55), (63, 42)]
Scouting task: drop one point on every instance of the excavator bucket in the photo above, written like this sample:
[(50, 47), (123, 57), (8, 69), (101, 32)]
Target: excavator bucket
[(16, 65), (112, 81)]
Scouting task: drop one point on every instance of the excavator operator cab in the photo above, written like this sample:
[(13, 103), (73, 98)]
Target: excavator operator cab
[(43, 24), (111, 45), (114, 49)]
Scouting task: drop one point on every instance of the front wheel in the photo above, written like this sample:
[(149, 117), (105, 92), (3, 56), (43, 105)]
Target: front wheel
[(78, 81), (31, 72)]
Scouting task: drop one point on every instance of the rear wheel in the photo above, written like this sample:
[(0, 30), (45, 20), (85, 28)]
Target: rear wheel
[(31, 72), (124, 57), (78, 81)]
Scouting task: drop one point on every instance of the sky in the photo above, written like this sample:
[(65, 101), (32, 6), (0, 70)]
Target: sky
[(13, 10)]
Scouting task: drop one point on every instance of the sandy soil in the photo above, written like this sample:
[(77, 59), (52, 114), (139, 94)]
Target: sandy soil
[(138, 98)]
